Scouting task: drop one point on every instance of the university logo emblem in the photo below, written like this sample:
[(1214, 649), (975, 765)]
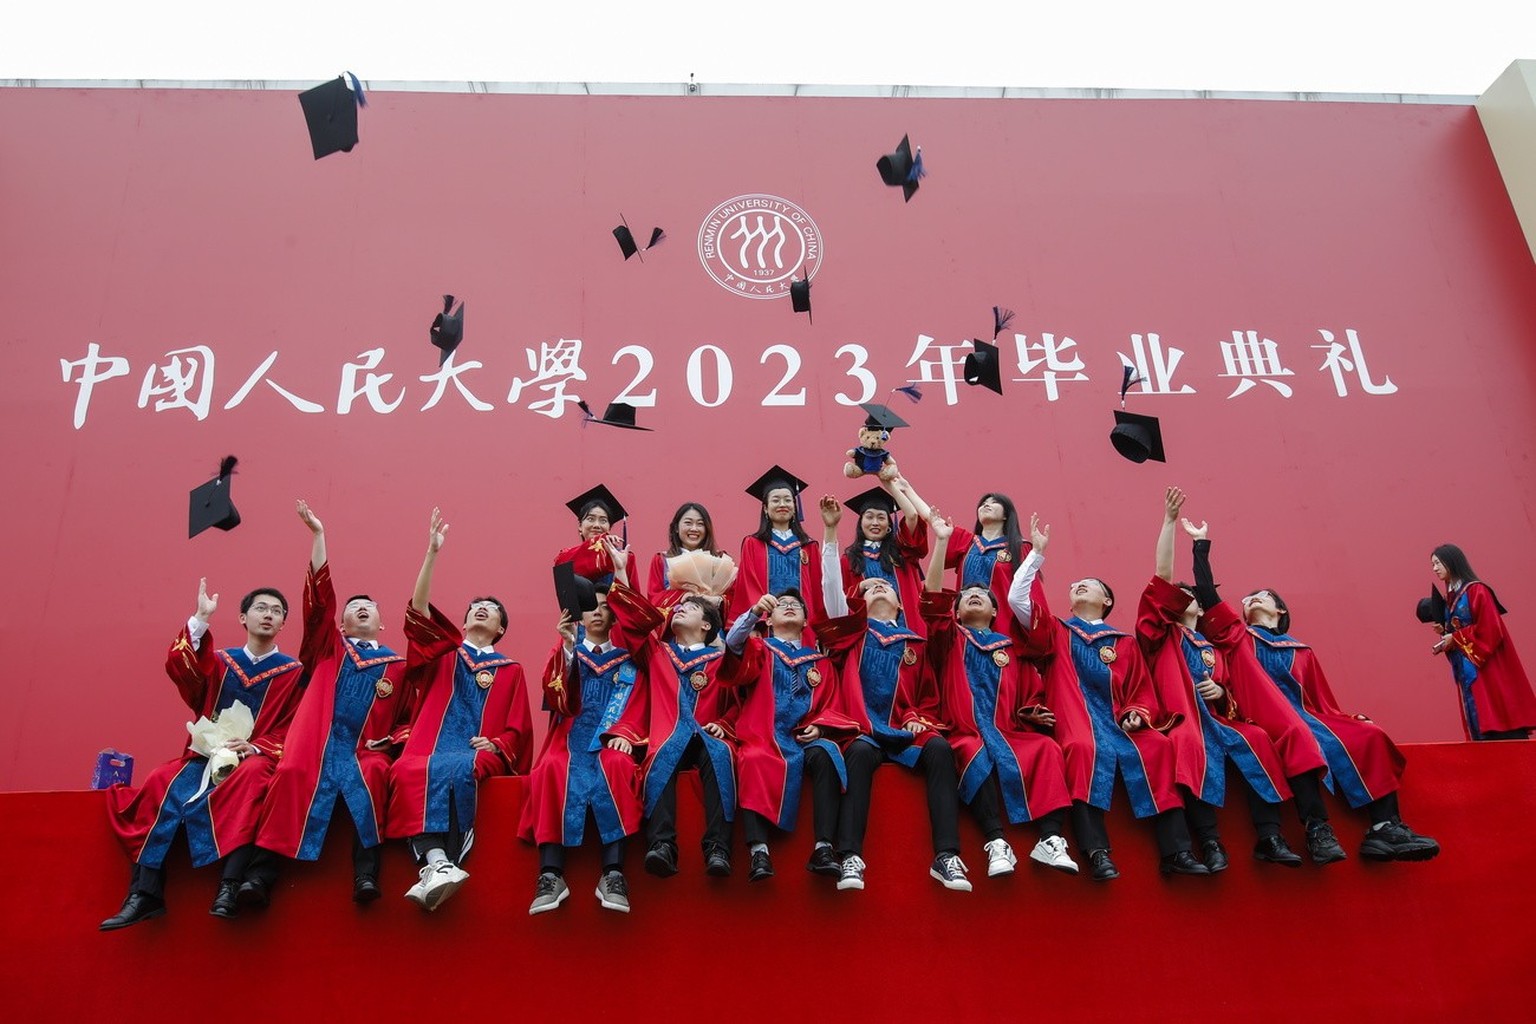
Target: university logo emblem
[(752, 245)]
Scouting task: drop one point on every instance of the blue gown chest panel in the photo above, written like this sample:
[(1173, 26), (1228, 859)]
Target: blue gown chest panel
[(976, 569), (885, 645), (784, 561)]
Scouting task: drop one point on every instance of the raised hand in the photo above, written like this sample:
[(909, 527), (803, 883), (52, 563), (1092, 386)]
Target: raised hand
[(765, 606), (1173, 500), (1039, 536), (567, 628), (308, 517), (831, 511), (1195, 532), (436, 532), (206, 605), (942, 526)]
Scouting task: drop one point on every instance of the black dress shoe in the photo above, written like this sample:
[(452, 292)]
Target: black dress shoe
[(1101, 867), (1274, 850), (139, 906), (762, 867), (1214, 855), (365, 889), (717, 862), (253, 893), (1183, 863), (661, 860), (824, 862), (227, 902)]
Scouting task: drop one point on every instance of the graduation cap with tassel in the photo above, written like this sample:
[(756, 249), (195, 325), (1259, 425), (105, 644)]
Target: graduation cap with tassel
[(618, 414), (448, 329), (902, 168), (800, 297), (330, 113), (210, 504), (1134, 436), (626, 239)]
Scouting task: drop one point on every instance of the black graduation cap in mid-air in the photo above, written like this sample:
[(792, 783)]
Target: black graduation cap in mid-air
[(210, 504), (875, 497), (1137, 437), (626, 239), (577, 594), (618, 414), (902, 168), (984, 366), (800, 296), (448, 329), (330, 111)]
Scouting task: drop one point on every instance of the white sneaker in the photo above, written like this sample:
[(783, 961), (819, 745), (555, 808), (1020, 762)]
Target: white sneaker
[(417, 893), (1000, 858), (443, 881), (1052, 852), (853, 873)]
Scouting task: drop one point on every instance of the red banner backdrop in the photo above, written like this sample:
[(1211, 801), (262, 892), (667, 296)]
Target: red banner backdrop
[(1331, 303)]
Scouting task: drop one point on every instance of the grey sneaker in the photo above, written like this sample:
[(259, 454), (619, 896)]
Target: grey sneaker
[(548, 893), (613, 892)]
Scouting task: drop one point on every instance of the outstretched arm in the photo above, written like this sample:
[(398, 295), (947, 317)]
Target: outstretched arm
[(1173, 500), (1205, 580), (1024, 579), (317, 547), (907, 499), (942, 529), (831, 559), (436, 531)]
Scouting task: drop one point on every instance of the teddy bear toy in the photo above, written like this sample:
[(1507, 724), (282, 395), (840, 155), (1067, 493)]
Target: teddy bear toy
[(871, 456)]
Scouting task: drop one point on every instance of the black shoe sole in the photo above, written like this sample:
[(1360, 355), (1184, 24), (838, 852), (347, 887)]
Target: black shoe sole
[(1105, 876), (825, 870), (111, 924), (228, 913), (658, 866), (1283, 863), (1417, 854), (758, 876), (366, 895), (719, 869)]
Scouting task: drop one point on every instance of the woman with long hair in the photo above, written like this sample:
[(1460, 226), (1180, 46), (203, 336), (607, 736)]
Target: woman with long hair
[(780, 556), (889, 547), (692, 563), (1493, 690), (990, 553)]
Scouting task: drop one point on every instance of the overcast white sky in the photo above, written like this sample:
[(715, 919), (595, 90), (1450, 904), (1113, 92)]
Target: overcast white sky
[(1443, 47)]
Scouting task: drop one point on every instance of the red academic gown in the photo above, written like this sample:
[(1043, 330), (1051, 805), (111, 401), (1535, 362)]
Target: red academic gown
[(1501, 691), (770, 762), (911, 539), (603, 696), (1088, 712), (684, 696), (883, 712), (592, 560), (965, 548), (1163, 635), (326, 755), (752, 577), (1257, 696), (989, 733), (438, 769), (225, 816)]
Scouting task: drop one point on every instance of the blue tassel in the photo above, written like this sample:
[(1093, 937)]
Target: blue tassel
[(912, 391), (917, 166), (357, 89), (1001, 318), (227, 465)]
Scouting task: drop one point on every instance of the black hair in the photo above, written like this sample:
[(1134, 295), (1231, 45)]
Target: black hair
[(889, 555), (712, 621), (793, 592), (249, 599), (765, 525), (675, 541), (1460, 570), (499, 607), (1284, 625), (590, 504), (1010, 522), (1109, 594), (357, 597)]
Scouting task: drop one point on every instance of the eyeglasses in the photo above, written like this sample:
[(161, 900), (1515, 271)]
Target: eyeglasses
[(1255, 597), (264, 609)]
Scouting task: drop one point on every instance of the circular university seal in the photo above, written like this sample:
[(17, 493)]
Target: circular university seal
[(1108, 655), (698, 680), (813, 677), (1208, 657), (909, 657), (383, 688), (1000, 659), (483, 678), (752, 245)]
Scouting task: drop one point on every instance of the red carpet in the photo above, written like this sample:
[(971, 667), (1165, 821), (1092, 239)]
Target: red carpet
[(1445, 940)]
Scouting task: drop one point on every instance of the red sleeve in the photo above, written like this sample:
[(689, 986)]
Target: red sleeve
[(319, 607), (277, 711), (826, 712), (656, 579), (557, 696), (192, 670), (1133, 689), (430, 636), (634, 619), (1031, 695), (938, 610), (838, 636), (1161, 608), (1479, 640), (1224, 628), (744, 669), (959, 545), (912, 538), (514, 744)]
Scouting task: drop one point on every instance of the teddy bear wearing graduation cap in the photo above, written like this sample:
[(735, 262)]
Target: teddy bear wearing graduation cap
[(872, 456)]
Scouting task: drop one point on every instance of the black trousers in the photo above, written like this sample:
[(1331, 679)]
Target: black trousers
[(1169, 827), (987, 806), (1505, 734), (456, 842), (552, 857), (151, 881), (265, 865), (661, 826), (1383, 809), (826, 798), (936, 762), (1202, 816), (1309, 797)]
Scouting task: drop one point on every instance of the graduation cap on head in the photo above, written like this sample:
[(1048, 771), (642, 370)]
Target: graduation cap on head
[(874, 498), (1432, 608), (902, 168), (984, 366), (618, 414), (577, 594), (776, 478), (1137, 437), (330, 111), (881, 417), (448, 329), (626, 239), (800, 296), (210, 504), (600, 495)]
